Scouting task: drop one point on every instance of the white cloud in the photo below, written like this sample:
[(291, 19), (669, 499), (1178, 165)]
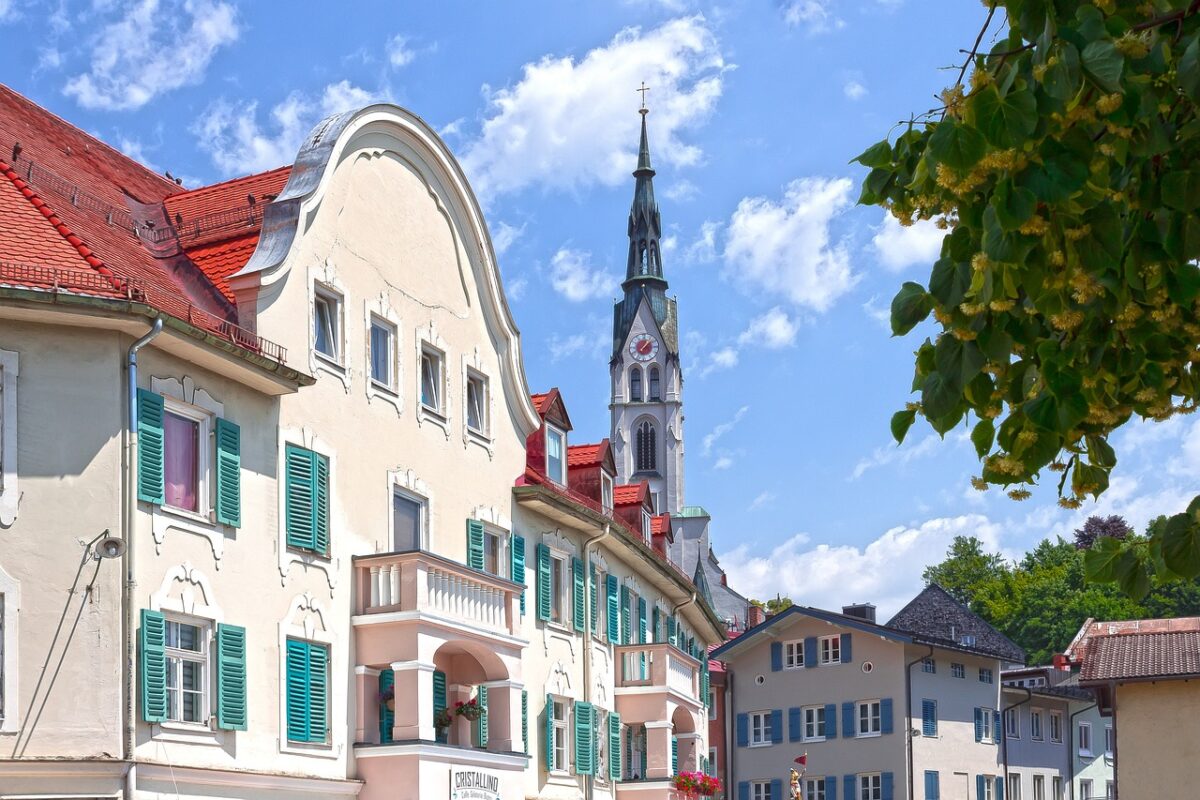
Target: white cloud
[(589, 340), (896, 454), (763, 498), (773, 330), (725, 358), (669, 244), (722, 462), (238, 144), (515, 290), (453, 128), (561, 347), (886, 572), (573, 276), (504, 235), (900, 246), (854, 89), (8, 11), (681, 190), (784, 247), (880, 314), (704, 249), (156, 46), (399, 54), (720, 430), (569, 124), (815, 16), (137, 151)]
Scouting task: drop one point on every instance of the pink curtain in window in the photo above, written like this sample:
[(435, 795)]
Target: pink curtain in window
[(180, 461)]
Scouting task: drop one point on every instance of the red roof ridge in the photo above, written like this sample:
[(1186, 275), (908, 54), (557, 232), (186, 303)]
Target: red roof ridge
[(80, 246), (229, 181)]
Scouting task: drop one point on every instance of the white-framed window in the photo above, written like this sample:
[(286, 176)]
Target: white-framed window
[(478, 404), (988, 782), (8, 443), (1085, 789), (495, 552), (635, 753), (606, 491), (1035, 724), (1056, 788), (1056, 727), (760, 790), (985, 675), (1012, 723), (327, 323), (1014, 786), (1085, 739), (814, 789), (646, 525), (556, 455), (929, 665), (712, 703), (433, 371), (814, 723), (958, 670), (187, 457), (560, 710), (382, 351), (869, 718), (186, 642), (600, 718), (410, 514), (967, 640), (1039, 787), (793, 654), (830, 648), (1110, 790), (760, 728), (870, 786), (10, 603), (986, 715), (1110, 741), (558, 588)]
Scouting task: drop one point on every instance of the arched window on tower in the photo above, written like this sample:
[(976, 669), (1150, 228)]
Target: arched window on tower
[(635, 385), (645, 258), (645, 450), (655, 391)]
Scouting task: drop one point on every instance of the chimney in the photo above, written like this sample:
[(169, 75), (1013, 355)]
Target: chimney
[(755, 616), (860, 610)]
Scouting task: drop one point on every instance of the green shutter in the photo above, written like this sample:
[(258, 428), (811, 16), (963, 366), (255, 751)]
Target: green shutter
[(231, 677), (524, 720), (474, 544), (229, 473), (584, 749), (641, 607), (578, 595), (481, 724), (675, 755), (298, 718), (152, 638), (704, 682), (593, 597), (614, 614), (671, 630), (614, 746), (387, 716), (626, 631), (543, 582), (517, 551), (548, 746), (298, 498), (321, 505), (654, 623), (439, 697), (150, 450), (318, 692)]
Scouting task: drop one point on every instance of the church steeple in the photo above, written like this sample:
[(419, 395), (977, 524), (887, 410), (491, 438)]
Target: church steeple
[(644, 267)]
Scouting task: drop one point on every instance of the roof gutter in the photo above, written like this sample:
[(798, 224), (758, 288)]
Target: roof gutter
[(908, 743)]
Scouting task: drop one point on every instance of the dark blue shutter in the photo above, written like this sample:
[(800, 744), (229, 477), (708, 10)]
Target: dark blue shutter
[(885, 715), (743, 790), (743, 730), (795, 732), (979, 724), (848, 729), (831, 788), (776, 789), (830, 721), (848, 782), (845, 648), (776, 726), (810, 651), (776, 656), (885, 785), (999, 787), (932, 787), (996, 729), (980, 782), (929, 718)]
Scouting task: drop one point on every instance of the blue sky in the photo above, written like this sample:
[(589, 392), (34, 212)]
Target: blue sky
[(783, 283)]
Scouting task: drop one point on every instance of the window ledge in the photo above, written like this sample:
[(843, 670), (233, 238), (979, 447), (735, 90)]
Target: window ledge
[(427, 414), (163, 519), (314, 749), (761, 744), (872, 735), (323, 363), (188, 733), (384, 394)]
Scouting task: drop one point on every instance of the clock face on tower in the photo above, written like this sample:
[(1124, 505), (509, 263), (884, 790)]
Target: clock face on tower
[(643, 347)]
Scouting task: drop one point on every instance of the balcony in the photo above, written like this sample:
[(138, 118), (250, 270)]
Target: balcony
[(660, 666)]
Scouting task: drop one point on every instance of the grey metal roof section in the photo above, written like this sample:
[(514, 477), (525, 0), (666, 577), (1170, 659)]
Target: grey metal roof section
[(692, 551), (934, 614)]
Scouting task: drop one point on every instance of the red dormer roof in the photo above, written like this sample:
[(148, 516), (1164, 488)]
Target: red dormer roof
[(661, 524), (550, 405), (587, 455), (628, 494)]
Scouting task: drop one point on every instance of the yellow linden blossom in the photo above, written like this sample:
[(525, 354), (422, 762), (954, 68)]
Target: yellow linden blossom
[(1133, 45), (979, 79), (1001, 306), (964, 335), (1057, 258), (1146, 395), (953, 98), (1067, 320), (1034, 226), (1058, 466), (1020, 494), (991, 412), (942, 223), (1075, 234), (1027, 437), (1107, 149), (980, 261), (971, 309), (979, 484), (1069, 502), (1110, 103), (943, 317)]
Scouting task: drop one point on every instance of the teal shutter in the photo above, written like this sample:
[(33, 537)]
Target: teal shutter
[(525, 720), (645, 747), (299, 504), (321, 505), (439, 699), (626, 631), (318, 692), (704, 683), (297, 664), (578, 594), (674, 755), (641, 606), (231, 677), (152, 638), (654, 618), (387, 717), (614, 746), (549, 733), (151, 483), (229, 473), (474, 544), (584, 748), (593, 597), (481, 724), (671, 630), (543, 582), (614, 614), (517, 552)]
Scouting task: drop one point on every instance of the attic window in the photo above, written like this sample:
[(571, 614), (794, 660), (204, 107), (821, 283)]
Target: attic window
[(645, 524), (606, 492), (556, 448)]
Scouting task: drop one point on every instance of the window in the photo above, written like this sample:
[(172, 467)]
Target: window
[(656, 501), (929, 665), (712, 703), (985, 675), (477, 404), (967, 640), (1109, 790), (306, 499), (1085, 738), (1012, 723), (635, 753), (635, 385), (958, 671), (1056, 722), (307, 691), (1085, 790), (187, 668), (408, 514), (558, 588), (1056, 787), (1014, 786), (556, 462), (868, 718), (493, 553), (383, 354), (712, 761), (184, 460), (561, 737), (1039, 787), (986, 785), (646, 525), (831, 649), (760, 728), (655, 393), (814, 789), (645, 451), (1110, 741), (929, 719), (760, 790), (1035, 724), (870, 787), (793, 654), (985, 725), (431, 380), (606, 491), (814, 723), (327, 324)]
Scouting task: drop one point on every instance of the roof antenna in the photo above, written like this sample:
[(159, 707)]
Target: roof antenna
[(16, 153)]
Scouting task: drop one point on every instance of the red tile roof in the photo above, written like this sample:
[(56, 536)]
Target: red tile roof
[(1077, 651), (26, 236), (660, 523), (630, 493), (1133, 656), (220, 259), (228, 194), (586, 455), (542, 401)]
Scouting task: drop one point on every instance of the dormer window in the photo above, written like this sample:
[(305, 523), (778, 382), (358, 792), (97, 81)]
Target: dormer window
[(655, 391), (556, 449), (645, 524), (606, 492), (635, 385)]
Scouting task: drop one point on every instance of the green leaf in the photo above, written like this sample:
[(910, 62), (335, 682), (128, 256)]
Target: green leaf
[(1181, 189), (1005, 121), (1001, 245), (949, 281), (1100, 452), (1181, 545), (982, 436), (958, 361), (1014, 205), (1188, 70), (996, 344), (1100, 560), (957, 145), (938, 396), (1103, 63), (901, 422), (877, 155), (1131, 575), (911, 305)]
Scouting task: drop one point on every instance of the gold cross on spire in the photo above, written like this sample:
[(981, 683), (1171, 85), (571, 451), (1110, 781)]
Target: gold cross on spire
[(643, 90)]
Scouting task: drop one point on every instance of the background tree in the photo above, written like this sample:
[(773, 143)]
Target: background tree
[(1064, 172), (966, 568), (1094, 527), (774, 605)]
